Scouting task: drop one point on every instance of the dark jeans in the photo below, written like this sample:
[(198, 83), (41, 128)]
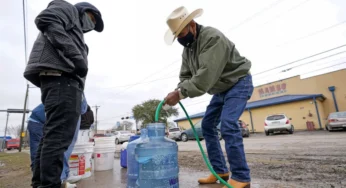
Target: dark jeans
[(61, 97), (227, 107)]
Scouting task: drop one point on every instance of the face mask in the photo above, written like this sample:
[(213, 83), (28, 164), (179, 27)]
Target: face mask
[(87, 23), (187, 40)]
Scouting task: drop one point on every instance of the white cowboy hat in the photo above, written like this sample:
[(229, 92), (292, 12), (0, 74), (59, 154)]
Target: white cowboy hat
[(177, 21)]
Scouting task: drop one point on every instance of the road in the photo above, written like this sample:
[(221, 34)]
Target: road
[(259, 143), (304, 159)]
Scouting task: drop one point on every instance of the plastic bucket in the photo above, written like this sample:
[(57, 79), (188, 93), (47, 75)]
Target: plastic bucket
[(104, 153), (104, 140), (83, 136), (104, 157), (80, 161)]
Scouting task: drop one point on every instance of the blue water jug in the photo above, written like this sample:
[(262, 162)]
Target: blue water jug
[(134, 137), (123, 158), (158, 159), (132, 164), (123, 152)]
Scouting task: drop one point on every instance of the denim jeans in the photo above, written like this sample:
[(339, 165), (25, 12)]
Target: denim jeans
[(35, 134), (61, 97), (227, 107)]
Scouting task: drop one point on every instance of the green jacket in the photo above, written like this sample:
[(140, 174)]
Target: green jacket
[(212, 65)]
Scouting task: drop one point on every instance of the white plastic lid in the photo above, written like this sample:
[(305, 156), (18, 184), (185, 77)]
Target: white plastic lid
[(124, 145)]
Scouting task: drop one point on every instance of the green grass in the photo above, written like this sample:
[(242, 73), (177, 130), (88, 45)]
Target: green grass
[(15, 170)]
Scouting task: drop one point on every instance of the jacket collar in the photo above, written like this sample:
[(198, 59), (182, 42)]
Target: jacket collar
[(199, 28)]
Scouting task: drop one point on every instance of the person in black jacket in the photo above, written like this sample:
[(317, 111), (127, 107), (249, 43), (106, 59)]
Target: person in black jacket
[(87, 119), (58, 64)]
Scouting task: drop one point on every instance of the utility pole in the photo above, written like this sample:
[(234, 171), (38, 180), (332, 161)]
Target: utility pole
[(23, 120), (27, 85), (96, 108)]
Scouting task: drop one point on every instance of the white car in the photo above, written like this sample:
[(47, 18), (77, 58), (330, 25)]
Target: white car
[(174, 133), (122, 136), (277, 123)]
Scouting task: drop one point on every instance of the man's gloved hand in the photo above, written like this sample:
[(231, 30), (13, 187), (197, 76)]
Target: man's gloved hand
[(172, 98), (80, 68)]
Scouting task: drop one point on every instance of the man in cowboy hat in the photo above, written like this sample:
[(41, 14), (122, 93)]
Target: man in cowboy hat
[(58, 64), (211, 64)]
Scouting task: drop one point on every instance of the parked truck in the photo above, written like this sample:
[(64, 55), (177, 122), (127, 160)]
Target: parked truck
[(13, 144)]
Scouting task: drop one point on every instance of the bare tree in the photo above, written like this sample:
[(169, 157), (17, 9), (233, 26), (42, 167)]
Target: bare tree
[(128, 126), (171, 125), (14, 130)]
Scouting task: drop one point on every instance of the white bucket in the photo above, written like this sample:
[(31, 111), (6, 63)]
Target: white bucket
[(104, 153), (104, 158), (104, 140), (80, 161), (83, 136)]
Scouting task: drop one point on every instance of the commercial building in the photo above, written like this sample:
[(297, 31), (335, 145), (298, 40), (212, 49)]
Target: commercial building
[(302, 100)]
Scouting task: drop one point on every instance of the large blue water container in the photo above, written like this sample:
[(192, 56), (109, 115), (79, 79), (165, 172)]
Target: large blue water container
[(158, 159), (132, 164)]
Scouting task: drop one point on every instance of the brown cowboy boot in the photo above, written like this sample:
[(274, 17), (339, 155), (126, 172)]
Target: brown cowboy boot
[(212, 179), (237, 184)]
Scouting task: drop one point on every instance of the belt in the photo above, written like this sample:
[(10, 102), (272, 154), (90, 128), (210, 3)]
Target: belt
[(50, 73)]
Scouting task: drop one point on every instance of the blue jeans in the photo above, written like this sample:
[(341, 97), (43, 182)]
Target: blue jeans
[(227, 107), (35, 134)]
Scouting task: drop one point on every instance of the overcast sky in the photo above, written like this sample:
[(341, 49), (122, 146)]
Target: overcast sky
[(131, 49)]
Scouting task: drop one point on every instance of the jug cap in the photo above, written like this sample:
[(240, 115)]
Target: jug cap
[(156, 129)]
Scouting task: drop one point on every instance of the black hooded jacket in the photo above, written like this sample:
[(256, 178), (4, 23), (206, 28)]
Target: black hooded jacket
[(60, 45)]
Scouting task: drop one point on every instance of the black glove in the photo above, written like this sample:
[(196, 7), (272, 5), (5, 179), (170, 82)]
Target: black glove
[(80, 68)]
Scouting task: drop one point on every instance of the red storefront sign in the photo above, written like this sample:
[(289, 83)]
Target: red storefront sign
[(272, 90)]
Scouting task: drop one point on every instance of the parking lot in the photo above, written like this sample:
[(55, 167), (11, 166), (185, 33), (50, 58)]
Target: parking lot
[(304, 159)]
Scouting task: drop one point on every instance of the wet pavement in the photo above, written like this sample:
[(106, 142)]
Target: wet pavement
[(117, 178), (305, 159)]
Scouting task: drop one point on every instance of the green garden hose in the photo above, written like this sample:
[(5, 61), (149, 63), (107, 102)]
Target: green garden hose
[(157, 114)]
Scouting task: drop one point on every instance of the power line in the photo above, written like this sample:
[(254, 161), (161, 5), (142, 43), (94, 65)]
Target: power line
[(318, 59), (325, 67), (255, 15), (148, 76), (280, 15), (290, 68), (313, 33), (140, 83), (299, 60)]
